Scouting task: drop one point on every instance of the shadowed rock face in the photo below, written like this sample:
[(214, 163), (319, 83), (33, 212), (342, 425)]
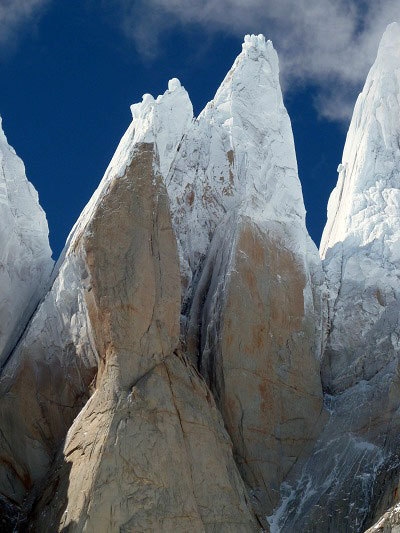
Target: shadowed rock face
[(153, 458), (388, 523), (258, 341), (148, 451), (43, 387)]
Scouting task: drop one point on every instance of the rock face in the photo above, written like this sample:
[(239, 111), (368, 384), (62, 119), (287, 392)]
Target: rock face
[(388, 523), (260, 338), (148, 451), (25, 255)]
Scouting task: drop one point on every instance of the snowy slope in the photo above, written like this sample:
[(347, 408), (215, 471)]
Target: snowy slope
[(25, 255), (361, 239)]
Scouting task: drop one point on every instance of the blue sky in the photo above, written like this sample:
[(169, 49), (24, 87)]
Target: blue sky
[(70, 70)]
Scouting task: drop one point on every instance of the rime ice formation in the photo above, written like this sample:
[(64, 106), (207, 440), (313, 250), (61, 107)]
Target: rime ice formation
[(25, 255)]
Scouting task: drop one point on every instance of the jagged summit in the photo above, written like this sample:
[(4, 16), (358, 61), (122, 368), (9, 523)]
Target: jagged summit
[(238, 156), (255, 47), (256, 43)]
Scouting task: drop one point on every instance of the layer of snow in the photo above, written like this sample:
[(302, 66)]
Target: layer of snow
[(25, 255)]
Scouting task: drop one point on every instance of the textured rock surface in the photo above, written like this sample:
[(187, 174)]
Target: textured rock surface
[(148, 451), (388, 523), (260, 338), (25, 255)]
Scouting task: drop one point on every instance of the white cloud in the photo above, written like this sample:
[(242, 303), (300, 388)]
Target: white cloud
[(327, 43), (13, 14)]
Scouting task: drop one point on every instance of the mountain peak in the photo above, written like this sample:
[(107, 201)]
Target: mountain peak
[(362, 206), (25, 255), (163, 120), (255, 46), (391, 37), (388, 57)]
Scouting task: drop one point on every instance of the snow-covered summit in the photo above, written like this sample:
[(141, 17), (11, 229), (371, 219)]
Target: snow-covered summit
[(25, 254), (161, 121), (389, 46), (256, 45), (239, 154), (364, 206)]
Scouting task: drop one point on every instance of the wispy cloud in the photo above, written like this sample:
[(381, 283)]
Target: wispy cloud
[(14, 14), (327, 43)]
